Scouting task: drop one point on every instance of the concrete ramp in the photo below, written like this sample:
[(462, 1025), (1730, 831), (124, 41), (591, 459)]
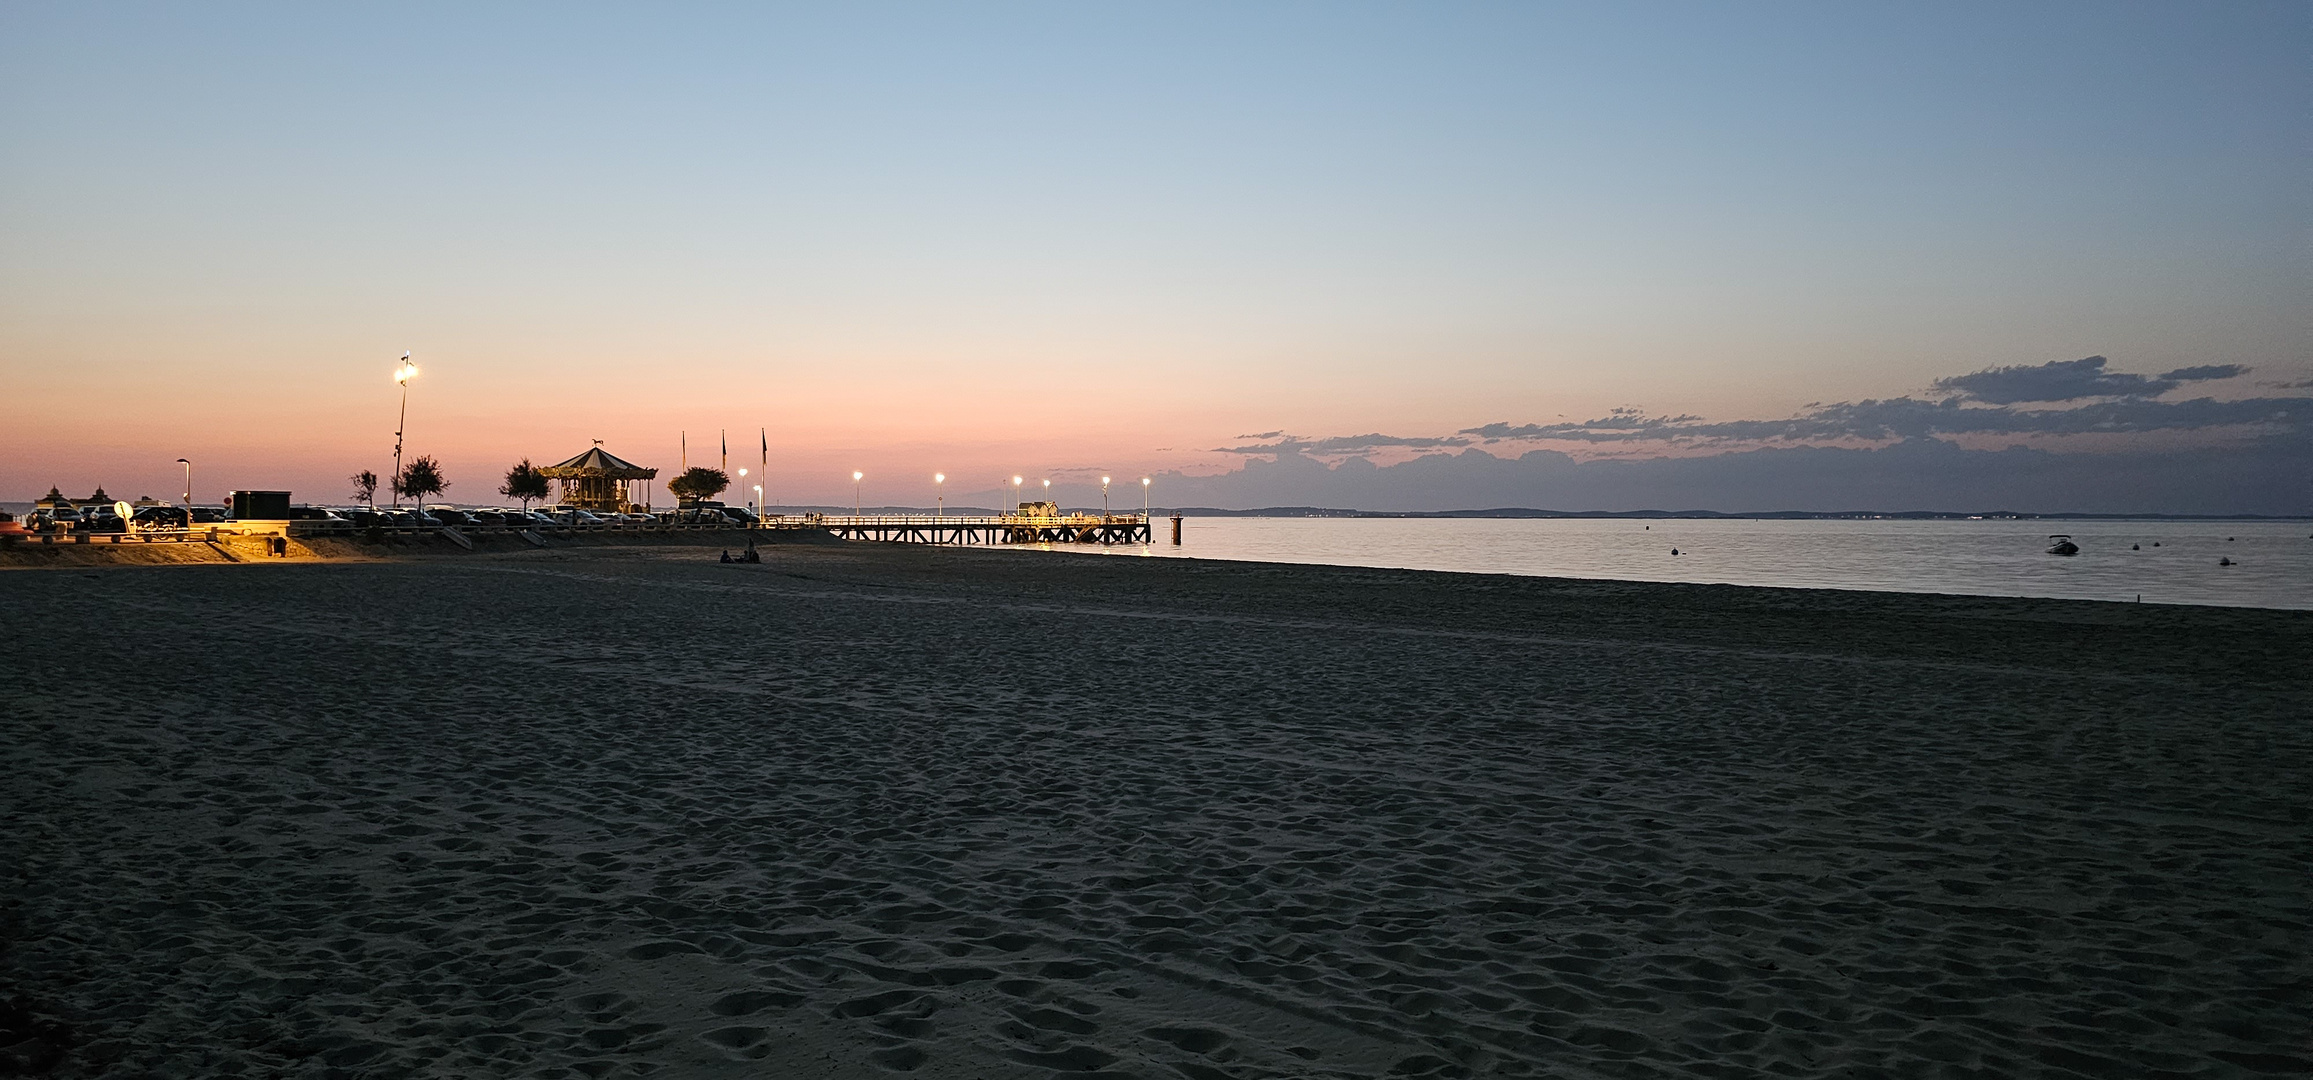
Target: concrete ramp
[(534, 539), (457, 538)]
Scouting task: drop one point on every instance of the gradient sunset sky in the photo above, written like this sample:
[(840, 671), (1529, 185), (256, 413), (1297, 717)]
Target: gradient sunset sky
[(1061, 239)]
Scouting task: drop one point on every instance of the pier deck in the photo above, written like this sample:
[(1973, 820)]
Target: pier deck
[(989, 529)]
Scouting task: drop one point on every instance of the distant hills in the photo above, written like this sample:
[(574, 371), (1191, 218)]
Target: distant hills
[(1770, 515), (1529, 512)]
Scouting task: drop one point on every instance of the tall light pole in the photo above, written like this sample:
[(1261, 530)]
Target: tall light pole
[(1104, 498), (855, 476), (742, 472), (1048, 489), (1015, 494), (188, 491), (1144, 507), (940, 499), (402, 377)]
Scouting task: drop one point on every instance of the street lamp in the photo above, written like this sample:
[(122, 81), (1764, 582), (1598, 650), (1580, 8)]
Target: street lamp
[(1144, 499), (1104, 498), (188, 491), (402, 377), (1048, 489), (743, 476), (855, 475), (940, 499), (1015, 494)]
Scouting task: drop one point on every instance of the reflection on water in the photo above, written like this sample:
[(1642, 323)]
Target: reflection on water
[(2168, 562)]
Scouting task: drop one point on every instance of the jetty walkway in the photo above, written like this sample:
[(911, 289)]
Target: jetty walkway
[(991, 529)]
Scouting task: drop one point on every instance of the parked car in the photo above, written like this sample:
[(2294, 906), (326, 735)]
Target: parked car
[(570, 517), (208, 515), (314, 513), (53, 519), (159, 517), (448, 515)]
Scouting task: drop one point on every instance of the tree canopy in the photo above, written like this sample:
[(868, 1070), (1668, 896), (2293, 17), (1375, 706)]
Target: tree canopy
[(420, 478), (699, 483), (364, 486), (524, 482)]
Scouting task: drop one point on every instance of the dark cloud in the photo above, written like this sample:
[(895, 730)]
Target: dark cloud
[(1344, 444), (1873, 420), (2206, 372), (1263, 435), (2073, 380), (1911, 418)]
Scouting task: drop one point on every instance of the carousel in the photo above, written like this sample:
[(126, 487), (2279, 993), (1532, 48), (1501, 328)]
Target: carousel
[(600, 480)]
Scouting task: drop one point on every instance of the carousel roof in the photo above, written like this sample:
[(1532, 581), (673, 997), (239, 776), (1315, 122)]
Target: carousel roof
[(599, 462)]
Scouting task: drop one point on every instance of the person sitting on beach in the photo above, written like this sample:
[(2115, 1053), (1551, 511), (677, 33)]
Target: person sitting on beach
[(752, 556), (726, 555)]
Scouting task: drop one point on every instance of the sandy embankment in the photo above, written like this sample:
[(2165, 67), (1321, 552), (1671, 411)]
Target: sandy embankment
[(964, 813)]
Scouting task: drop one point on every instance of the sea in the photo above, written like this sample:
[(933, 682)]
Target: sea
[(2148, 561)]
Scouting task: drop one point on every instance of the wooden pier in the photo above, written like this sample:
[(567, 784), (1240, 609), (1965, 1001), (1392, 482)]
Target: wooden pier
[(954, 529)]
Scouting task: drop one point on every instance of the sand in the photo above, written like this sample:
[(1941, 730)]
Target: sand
[(863, 809)]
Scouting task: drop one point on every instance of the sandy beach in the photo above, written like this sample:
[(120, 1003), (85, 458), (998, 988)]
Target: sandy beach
[(860, 810)]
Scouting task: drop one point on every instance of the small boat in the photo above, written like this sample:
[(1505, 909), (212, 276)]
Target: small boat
[(2063, 545)]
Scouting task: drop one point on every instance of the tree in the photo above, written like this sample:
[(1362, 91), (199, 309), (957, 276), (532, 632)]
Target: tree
[(364, 487), (699, 483), (420, 478), (524, 482)]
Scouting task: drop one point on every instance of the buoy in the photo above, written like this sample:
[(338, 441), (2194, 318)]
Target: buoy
[(2225, 562), (1674, 551), (2133, 547), (2156, 543)]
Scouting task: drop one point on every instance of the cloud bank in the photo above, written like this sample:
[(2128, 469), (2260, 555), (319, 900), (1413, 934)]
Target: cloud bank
[(2212, 456)]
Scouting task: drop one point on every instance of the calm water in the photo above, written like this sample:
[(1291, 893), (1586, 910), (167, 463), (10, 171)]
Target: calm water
[(1986, 558)]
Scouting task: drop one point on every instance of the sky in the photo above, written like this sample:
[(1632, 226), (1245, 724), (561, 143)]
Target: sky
[(1384, 256)]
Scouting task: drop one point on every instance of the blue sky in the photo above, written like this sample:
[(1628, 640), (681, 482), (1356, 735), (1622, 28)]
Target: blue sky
[(1055, 238)]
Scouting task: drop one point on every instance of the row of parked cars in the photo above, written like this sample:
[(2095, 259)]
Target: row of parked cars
[(105, 519), (550, 517)]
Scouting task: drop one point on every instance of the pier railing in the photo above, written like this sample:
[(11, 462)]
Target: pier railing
[(975, 528)]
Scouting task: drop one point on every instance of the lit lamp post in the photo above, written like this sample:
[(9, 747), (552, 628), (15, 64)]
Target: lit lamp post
[(1048, 489), (1015, 494), (402, 377), (855, 477), (188, 492), (1104, 498), (940, 498), (743, 487)]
